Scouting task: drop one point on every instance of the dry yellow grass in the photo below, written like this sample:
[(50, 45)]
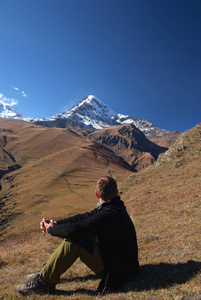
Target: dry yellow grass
[(25, 254)]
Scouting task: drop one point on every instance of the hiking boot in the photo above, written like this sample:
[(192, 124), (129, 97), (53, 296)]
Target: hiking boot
[(36, 285), (31, 277)]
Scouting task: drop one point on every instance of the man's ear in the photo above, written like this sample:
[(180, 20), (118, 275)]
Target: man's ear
[(97, 195)]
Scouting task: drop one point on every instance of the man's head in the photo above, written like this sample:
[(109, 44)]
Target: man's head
[(106, 188)]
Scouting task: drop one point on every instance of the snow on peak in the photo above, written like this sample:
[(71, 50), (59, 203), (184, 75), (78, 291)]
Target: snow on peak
[(7, 109), (90, 112), (97, 105)]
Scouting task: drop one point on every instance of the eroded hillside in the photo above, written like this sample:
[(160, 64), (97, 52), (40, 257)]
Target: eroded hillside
[(130, 143)]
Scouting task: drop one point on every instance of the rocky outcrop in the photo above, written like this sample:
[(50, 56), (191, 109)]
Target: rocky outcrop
[(128, 142), (187, 145)]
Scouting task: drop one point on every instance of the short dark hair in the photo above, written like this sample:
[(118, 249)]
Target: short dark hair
[(106, 188)]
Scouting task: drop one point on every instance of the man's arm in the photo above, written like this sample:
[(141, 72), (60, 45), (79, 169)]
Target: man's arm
[(90, 226), (46, 223), (77, 218)]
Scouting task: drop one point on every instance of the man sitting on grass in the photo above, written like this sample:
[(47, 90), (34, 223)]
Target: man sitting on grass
[(104, 239)]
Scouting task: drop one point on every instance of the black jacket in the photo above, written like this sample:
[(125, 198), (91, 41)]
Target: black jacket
[(116, 235)]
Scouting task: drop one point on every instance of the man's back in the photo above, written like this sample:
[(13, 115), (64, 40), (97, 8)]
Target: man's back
[(118, 243)]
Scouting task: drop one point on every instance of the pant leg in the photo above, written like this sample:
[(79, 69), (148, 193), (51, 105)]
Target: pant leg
[(66, 254), (92, 260)]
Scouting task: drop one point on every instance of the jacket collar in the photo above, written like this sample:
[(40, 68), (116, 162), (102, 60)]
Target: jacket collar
[(113, 200)]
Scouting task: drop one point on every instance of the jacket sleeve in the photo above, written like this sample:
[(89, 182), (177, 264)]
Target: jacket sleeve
[(77, 218), (90, 226)]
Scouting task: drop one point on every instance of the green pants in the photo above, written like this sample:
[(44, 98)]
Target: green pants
[(67, 253)]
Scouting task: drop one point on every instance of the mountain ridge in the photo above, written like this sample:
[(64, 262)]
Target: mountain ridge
[(88, 115), (92, 114), (130, 143)]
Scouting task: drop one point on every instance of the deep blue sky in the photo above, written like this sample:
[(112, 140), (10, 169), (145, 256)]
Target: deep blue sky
[(140, 57)]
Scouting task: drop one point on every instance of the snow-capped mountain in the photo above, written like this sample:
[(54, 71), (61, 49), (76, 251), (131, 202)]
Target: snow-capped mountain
[(7, 109), (88, 115), (145, 125), (92, 114)]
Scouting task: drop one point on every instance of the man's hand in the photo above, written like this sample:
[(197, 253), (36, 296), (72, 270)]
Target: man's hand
[(45, 223)]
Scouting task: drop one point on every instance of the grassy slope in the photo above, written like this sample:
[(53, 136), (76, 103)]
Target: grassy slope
[(36, 189), (164, 202)]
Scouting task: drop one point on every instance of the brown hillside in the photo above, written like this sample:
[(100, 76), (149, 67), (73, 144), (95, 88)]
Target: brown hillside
[(175, 177), (130, 143), (56, 173), (165, 202)]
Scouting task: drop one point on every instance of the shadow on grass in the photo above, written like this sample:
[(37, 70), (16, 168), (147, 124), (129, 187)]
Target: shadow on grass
[(80, 278), (163, 275), (151, 277)]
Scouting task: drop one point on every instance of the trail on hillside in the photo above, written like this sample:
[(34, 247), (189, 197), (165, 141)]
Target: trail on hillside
[(68, 184)]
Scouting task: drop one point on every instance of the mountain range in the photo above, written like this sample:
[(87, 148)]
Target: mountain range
[(89, 114), (138, 141)]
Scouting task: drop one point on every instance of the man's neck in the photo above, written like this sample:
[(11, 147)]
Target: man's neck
[(101, 201)]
